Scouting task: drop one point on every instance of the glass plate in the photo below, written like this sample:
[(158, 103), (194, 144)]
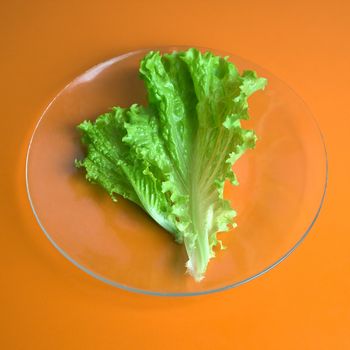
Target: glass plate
[(282, 186)]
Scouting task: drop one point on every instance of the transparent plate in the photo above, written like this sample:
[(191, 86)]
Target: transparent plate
[(282, 186)]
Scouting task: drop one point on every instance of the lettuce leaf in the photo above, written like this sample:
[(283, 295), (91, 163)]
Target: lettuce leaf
[(173, 156)]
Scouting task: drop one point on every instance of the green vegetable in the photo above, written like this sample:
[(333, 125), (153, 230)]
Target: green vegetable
[(173, 156)]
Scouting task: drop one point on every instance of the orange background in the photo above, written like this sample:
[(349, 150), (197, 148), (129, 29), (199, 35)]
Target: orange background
[(47, 303)]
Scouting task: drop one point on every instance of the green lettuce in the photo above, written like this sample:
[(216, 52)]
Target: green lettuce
[(173, 156)]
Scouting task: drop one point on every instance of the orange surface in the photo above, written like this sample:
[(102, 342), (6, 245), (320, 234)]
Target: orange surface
[(47, 303)]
